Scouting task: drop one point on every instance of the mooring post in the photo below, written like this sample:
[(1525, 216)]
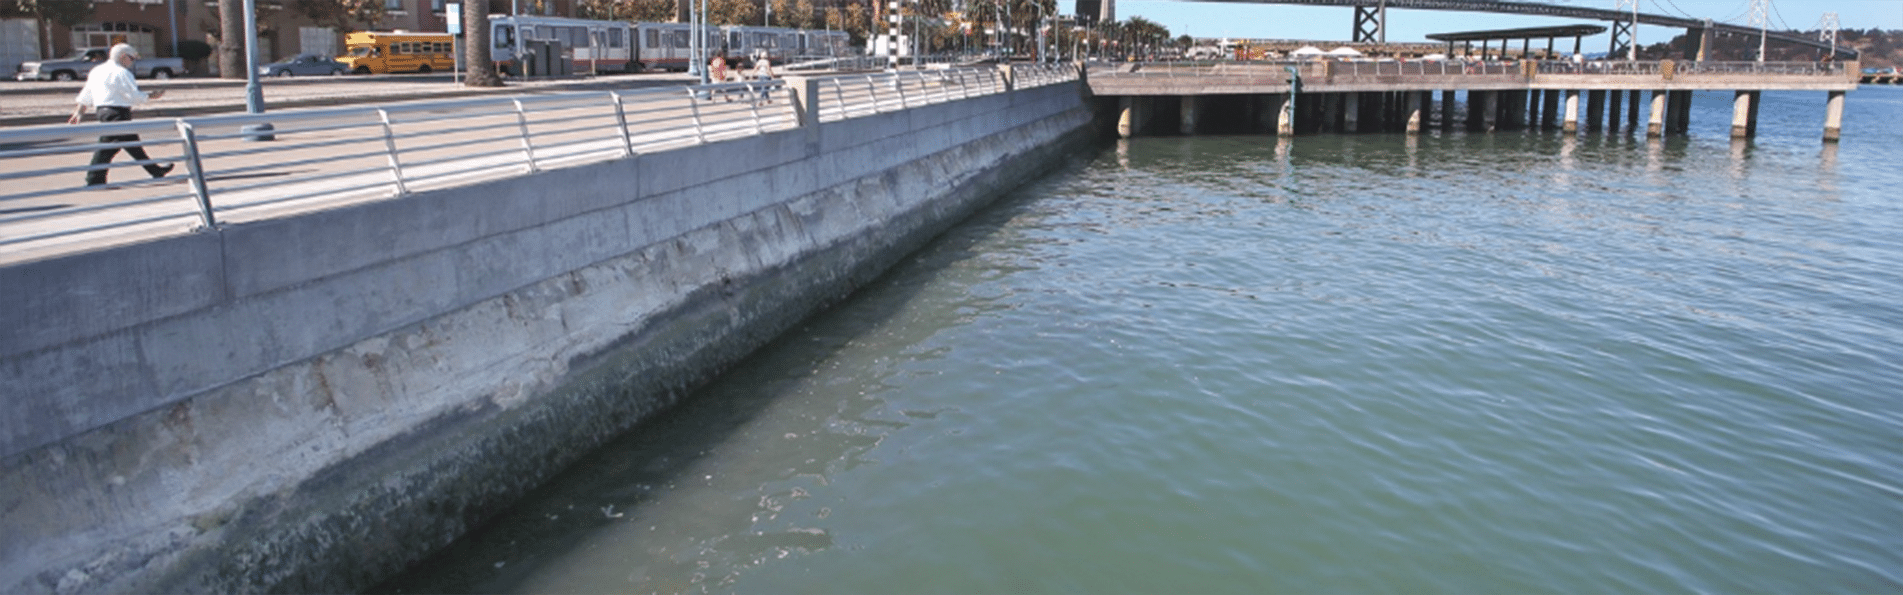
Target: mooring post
[(1744, 114), (1834, 116), (1285, 116), (1414, 118), (1127, 118), (1572, 111), (1655, 125)]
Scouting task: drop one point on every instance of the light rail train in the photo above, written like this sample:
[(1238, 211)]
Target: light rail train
[(620, 46)]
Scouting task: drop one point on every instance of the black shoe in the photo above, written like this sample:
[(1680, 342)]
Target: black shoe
[(162, 170)]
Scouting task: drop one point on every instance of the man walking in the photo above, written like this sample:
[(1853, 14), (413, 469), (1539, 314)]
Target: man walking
[(111, 91)]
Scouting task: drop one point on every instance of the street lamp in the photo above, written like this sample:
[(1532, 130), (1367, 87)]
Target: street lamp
[(253, 92)]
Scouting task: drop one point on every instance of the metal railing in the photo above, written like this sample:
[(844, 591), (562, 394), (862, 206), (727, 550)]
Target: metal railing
[(323, 158), (1826, 69), (1356, 68), (1308, 68)]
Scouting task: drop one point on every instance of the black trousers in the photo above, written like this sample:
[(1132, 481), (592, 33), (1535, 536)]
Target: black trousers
[(108, 113)]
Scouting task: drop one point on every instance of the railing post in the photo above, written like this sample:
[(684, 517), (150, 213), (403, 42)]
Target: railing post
[(621, 122), (389, 147), (804, 93), (196, 172), (693, 105), (839, 94), (528, 148), (898, 84), (754, 99)]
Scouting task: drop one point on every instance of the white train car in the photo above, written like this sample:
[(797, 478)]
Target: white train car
[(824, 44), (745, 42), (668, 46), (597, 46)]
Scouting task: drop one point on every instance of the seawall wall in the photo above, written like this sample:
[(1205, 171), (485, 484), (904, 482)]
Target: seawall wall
[(308, 404)]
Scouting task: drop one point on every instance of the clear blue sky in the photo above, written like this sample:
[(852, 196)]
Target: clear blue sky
[(1232, 19)]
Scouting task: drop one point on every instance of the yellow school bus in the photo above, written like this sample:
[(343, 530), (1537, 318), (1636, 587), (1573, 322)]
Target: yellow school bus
[(382, 52)]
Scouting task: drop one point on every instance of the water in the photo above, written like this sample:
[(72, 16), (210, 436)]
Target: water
[(1453, 364)]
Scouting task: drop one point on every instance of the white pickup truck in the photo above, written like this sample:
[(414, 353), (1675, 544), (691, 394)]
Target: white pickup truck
[(83, 60)]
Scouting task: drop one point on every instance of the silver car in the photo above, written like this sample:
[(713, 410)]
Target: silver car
[(304, 65)]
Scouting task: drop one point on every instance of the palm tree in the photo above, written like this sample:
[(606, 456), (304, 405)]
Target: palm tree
[(476, 58)]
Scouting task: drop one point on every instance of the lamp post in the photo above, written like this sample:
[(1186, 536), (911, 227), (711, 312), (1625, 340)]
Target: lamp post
[(253, 92)]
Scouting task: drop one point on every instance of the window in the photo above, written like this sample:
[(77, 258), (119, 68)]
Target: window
[(105, 34), (505, 36), (321, 41), (614, 38), (436, 5)]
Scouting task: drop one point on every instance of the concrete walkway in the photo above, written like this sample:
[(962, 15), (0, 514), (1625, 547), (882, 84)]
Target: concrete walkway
[(28, 103)]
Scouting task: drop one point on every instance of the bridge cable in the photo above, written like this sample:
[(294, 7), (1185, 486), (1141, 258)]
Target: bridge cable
[(1780, 17), (1674, 6), (1744, 8)]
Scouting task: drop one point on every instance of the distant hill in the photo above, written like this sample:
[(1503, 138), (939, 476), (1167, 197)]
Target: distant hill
[(1880, 49)]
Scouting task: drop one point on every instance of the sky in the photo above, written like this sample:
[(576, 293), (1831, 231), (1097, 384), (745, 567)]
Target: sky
[(1274, 21)]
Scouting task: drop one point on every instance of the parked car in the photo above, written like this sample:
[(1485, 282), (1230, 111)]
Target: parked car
[(305, 65), (82, 61)]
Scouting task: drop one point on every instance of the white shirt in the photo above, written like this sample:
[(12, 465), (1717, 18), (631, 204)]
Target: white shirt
[(110, 84)]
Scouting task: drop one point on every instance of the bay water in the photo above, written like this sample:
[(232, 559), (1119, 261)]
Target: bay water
[(1456, 363)]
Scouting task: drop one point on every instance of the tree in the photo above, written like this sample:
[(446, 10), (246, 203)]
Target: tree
[(785, 15), (733, 12), (857, 23), (340, 15), (809, 14), (230, 39), (476, 58)]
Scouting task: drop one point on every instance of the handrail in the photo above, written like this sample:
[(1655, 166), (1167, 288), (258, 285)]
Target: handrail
[(1352, 68), (330, 156)]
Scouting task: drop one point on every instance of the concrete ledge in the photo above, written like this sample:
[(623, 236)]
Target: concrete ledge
[(311, 403)]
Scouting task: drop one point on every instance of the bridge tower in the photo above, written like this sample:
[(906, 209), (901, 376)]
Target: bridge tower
[(1827, 32), (1761, 17), (1371, 23), (1625, 33)]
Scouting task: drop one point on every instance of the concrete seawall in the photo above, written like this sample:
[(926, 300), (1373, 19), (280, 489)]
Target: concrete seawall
[(308, 404)]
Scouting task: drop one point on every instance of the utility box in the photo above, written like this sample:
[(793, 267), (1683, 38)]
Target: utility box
[(547, 58)]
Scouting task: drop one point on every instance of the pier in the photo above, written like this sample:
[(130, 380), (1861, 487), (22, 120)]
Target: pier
[(1393, 96)]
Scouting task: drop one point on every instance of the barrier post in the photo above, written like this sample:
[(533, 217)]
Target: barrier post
[(196, 172)]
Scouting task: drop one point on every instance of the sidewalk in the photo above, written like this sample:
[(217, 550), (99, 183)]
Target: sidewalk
[(29, 103)]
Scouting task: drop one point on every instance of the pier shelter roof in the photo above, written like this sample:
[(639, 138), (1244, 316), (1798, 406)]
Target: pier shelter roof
[(1521, 33), (1526, 35)]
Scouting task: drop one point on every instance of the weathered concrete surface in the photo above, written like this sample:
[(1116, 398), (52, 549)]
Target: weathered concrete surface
[(307, 404)]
